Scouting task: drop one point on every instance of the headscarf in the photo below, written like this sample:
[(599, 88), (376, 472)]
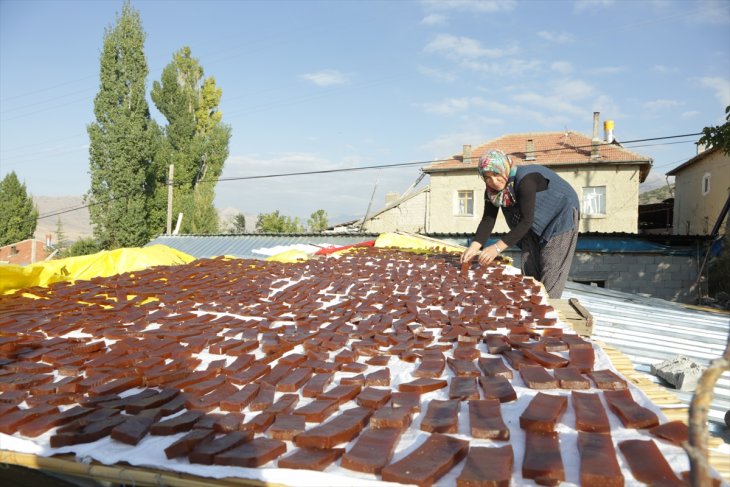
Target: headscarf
[(496, 161)]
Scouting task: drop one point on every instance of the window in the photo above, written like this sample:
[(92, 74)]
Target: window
[(594, 200), (705, 184), (465, 203)]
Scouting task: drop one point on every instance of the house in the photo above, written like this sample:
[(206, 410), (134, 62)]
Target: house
[(701, 190), (605, 175), (26, 252)]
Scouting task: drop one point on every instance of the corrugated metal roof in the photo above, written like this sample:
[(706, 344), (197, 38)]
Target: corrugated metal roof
[(650, 331), (242, 246)]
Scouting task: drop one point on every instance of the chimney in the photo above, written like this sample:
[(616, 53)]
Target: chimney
[(700, 148), (530, 150), (608, 130), (49, 240), (391, 197), (466, 154), (595, 153)]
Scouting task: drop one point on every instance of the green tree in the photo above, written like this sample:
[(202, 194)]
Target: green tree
[(196, 140), (61, 238), (276, 223), (83, 246), (719, 135), (239, 224), (318, 221), (122, 140), (18, 214)]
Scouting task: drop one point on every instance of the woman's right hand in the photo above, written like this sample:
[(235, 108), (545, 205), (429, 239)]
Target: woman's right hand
[(470, 252)]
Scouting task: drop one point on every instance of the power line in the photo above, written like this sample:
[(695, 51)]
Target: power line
[(353, 169)]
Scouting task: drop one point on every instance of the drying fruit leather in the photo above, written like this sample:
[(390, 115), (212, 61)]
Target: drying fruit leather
[(259, 423), (546, 359), (311, 458), (571, 378), (487, 467), (42, 424), (133, 429), (11, 422), (631, 414), (316, 385), (252, 453), (485, 420), (184, 445), (432, 369), (543, 462), (339, 429), (441, 416), (87, 434), (498, 388), (517, 359), (285, 404), (590, 414), (494, 367), (373, 398), (391, 417), (241, 399), (287, 426), (676, 432), (598, 464), (205, 451), (463, 388), (295, 380), (178, 424), (422, 385), (536, 377), (341, 394), (317, 410), (543, 412), (427, 463), (226, 423), (647, 463), (582, 357), (264, 398), (463, 368), (607, 380), (372, 450), (496, 344), (408, 400)]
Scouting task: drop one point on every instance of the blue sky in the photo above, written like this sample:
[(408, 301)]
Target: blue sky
[(312, 85)]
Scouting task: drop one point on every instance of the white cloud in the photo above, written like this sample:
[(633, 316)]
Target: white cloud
[(711, 12), (479, 6), (584, 5), (660, 104), (720, 86), (562, 67), (690, 114), (660, 68), (438, 74), (327, 77), (453, 106), (511, 67), (434, 19), (556, 37), (606, 70), (463, 48)]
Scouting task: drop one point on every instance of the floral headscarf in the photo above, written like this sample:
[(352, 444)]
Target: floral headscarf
[(496, 161)]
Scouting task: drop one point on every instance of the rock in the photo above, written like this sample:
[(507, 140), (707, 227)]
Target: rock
[(680, 371)]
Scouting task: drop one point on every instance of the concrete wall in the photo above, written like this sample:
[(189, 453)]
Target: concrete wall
[(409, 216), (622, 199), (695, 213), (669, 277)]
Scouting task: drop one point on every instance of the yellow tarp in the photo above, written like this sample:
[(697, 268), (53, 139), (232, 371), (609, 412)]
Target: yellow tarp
[(289, 256), (102, 264)]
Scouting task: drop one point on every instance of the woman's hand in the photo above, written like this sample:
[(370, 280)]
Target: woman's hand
[(488, 255), (470, 252)]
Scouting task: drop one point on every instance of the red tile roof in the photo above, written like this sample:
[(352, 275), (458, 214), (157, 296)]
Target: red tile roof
[(21, 253), (550, 149)]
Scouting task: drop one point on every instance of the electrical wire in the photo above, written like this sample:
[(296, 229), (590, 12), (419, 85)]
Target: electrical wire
[(350, 169)]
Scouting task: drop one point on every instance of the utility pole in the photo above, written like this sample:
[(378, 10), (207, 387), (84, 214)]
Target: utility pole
[(169, 199)]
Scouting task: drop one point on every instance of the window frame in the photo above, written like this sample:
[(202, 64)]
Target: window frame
[(468, 196), (584, 206)]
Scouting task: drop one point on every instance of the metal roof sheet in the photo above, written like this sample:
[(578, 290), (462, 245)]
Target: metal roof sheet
[(242, 246), (650, 330)]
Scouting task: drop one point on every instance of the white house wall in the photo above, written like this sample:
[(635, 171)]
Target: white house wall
[(695, 213), (409, 216)]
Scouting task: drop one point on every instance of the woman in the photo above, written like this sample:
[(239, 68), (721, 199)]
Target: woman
[(542, 212)]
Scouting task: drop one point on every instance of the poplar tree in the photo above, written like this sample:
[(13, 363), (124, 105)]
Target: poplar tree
[(122, 139), (196, 140), (18, 214)]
